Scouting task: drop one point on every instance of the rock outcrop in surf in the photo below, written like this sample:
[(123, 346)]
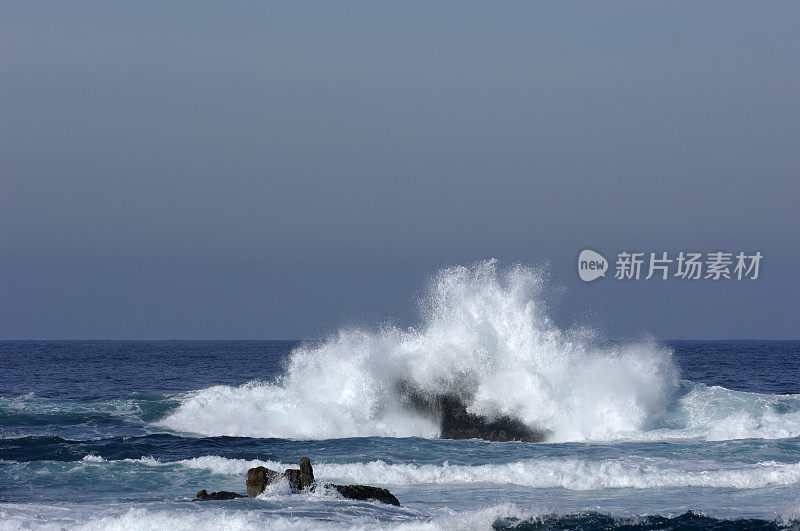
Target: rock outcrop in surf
[(258, 478), (303, 478), (457, 423)]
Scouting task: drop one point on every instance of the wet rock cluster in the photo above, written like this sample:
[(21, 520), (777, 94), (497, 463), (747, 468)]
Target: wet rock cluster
[(300, 479), (303, 478)]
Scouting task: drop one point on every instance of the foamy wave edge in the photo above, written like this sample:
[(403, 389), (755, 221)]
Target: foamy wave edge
[(570, 473)]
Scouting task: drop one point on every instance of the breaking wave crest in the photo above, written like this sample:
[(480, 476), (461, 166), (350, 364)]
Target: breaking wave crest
[(568, 473), (484, 337)]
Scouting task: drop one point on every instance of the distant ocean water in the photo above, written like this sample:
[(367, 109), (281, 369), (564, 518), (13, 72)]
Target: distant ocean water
[(122, 434)]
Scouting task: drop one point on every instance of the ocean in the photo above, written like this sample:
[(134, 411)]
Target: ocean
[(640, 434)]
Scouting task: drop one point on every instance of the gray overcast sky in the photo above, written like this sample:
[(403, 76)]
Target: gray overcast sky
[(275, 170)]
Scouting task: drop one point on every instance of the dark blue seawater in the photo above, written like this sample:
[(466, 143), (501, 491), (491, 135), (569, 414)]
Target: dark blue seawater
[(109, 434)]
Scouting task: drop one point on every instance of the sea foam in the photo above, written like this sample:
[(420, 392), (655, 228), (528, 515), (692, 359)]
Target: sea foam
[(567, 473)]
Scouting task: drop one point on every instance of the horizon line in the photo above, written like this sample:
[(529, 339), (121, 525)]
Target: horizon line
[(324, 338)]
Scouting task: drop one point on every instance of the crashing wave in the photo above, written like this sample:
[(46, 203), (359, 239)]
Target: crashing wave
[(486, 346)]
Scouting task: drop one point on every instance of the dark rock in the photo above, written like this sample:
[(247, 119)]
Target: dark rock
[(257, 480), (456, 423), (364, 492), (293, 474), (306, 473), (203, 495)]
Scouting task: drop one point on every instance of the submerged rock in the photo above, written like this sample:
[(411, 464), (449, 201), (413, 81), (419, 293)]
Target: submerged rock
[(365, 492), (203, 495)]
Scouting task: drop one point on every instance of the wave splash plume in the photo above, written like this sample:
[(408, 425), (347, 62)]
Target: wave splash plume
[(484, 337)]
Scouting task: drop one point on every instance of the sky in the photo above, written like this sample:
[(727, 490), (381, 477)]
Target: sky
[(277, 170)]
